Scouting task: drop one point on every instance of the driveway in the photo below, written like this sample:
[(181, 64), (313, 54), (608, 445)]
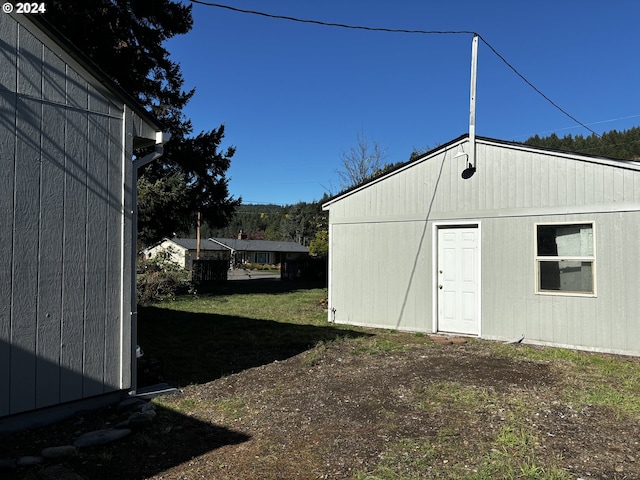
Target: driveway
[(242, 274)]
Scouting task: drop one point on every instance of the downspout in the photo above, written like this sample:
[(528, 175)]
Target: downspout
[(158, 151)]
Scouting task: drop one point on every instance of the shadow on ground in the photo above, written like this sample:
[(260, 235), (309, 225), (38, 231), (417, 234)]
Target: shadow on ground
[(170, 441), (196, 348)]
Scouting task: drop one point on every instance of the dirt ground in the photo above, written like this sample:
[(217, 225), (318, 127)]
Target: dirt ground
[(348, 409)]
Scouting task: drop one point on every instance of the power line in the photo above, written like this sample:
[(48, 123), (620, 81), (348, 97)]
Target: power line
[(330, 24), (504, 60), (401, 30)]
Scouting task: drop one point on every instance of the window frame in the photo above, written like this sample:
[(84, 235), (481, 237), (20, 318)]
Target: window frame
[(538, 259)]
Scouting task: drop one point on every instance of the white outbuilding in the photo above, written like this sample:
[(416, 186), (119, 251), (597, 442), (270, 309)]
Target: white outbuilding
[(499, 242), (67, 243)]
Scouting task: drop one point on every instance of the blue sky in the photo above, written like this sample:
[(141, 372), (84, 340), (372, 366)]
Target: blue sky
[(293, 96)]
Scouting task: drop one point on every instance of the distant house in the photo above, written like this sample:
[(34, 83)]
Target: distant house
[(183, 251), (525, 241), (265, 252), (67, 242)]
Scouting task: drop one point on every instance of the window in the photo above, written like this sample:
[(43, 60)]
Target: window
[(565, 259), (262, 257)]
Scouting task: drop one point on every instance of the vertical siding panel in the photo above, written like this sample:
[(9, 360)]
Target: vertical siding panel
[(29, 64), (554, 170), (50, 258), (53, 79), (605, 278), (629, 288), (535, 182), (628, 193), (618, 185), (444, 187), (512, 183), (565, 185), (589, 184), (598, 183), (617, 246), (7, 176), (114, 219), (580, 183), (543, 199), (76, 88), (96, 242), (98, 103), (25, 258), (560, 321), (532, 313), (8, 54), (495, 181), (74, 256), (608, 185), (519, 179)]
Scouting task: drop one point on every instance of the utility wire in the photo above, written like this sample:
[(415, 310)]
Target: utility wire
[(504, 60), (329, 24), (400, 30)]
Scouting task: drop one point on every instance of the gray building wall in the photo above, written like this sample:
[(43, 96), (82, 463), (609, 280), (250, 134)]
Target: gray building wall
[(382, 248), (66, 201)]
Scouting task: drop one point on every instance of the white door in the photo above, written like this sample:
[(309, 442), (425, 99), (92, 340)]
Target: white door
[(458, 280)]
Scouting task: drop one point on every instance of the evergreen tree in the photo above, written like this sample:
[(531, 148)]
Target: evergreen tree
[(624, 145), (125, 39)]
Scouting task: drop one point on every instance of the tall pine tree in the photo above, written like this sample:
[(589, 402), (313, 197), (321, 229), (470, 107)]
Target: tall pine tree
[(125, 39)]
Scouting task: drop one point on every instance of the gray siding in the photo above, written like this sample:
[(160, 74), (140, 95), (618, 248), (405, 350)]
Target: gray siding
[(65, 281), (382, 250)]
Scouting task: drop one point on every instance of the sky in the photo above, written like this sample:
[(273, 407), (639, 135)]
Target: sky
[(293, 97)]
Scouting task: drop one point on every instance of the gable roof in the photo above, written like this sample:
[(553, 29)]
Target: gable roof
[(260, 245), (612, 162), (192, 244)]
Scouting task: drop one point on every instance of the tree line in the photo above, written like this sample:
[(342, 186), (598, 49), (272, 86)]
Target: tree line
[(616, 144)]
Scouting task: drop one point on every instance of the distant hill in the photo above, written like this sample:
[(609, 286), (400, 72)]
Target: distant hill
[(296, 223)]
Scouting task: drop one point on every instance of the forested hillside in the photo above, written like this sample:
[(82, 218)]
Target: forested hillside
[(297, 223), (624, 144)]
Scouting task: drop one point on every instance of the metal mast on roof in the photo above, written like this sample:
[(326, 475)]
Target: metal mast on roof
[(472, 102)]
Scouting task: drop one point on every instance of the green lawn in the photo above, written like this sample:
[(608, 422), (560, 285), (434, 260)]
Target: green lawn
[(238, 325)]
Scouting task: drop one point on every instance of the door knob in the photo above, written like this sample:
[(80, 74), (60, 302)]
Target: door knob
[(440, 287)]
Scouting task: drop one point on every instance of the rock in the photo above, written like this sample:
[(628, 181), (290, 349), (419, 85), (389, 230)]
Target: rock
[(148, 407), (59, 452), (100, 437), (131, 404), (29, 461), (141, 419)]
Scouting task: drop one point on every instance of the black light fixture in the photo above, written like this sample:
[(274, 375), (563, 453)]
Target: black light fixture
[(470, 170)]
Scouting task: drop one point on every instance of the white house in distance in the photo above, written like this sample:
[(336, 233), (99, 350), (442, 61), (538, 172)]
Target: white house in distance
[(263, 252), (529, 241), (67, 200), (183, 251)]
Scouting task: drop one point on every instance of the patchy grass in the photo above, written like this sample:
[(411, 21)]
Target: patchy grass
[(270, 390), (240, 325), (609, 381)]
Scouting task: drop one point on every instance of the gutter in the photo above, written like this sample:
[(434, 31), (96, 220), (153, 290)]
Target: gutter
[(161, 139)]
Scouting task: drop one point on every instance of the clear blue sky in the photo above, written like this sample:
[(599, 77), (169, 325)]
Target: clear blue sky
[(293, 96)]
